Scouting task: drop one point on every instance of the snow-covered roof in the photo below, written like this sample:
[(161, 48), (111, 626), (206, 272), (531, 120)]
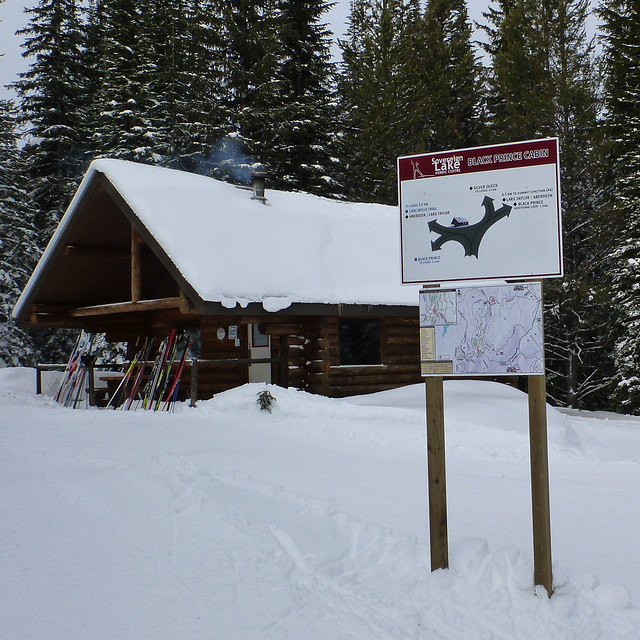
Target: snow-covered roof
[(296, 248)]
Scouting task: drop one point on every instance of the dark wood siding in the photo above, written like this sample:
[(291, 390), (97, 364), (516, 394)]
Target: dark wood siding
[(314, 358), (214, 379)]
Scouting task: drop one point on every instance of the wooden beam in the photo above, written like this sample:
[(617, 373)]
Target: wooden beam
[(542, 569), (51, 321), (126, 307), (280, 329), (186, 306), (136, 266), (44, 307), (95, 252), (438, 528)]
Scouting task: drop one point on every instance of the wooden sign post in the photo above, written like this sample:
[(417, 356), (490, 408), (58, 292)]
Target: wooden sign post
[(540, 483), (439, 536), (436, 462), (490, 324)]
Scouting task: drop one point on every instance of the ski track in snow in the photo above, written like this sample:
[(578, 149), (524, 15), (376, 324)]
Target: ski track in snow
[(311, 522)]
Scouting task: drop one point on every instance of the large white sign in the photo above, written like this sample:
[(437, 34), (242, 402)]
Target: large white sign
[(481, 213), (485, 330)]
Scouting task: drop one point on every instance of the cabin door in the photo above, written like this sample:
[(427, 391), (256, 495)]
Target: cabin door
[(259, 347)]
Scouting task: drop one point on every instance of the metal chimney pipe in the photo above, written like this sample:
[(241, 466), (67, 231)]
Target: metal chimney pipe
[(258, 180)]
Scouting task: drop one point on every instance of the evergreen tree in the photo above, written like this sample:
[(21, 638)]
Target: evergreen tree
[(52, 102), (449, 106), (122, 44), (410, 84), (247, 69), (17, 241), (376, 95), (296, 148), (202, 117), (544, 82), (520, 94), (622, 129)]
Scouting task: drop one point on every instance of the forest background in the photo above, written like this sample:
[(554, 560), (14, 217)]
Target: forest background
[(216, 86)]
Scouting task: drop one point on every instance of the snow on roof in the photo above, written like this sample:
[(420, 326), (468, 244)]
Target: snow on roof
[(235, 250)]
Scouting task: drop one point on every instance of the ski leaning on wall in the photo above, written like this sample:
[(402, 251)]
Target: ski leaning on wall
[(72, 391), (147, 384), (160, 392)]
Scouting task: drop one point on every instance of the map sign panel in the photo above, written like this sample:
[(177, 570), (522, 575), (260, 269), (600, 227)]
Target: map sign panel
[(481, 213), (476, 331)]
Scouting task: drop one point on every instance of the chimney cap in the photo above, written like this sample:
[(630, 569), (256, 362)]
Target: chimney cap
[(258, 179)]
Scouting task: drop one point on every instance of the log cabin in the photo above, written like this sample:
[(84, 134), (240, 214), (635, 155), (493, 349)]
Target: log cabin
[(311, 283)]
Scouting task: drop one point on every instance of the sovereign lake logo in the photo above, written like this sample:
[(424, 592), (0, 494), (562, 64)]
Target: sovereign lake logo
[(447, 165)]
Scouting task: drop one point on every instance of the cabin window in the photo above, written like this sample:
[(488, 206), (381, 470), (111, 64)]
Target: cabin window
[(258, 339), (360, 341)]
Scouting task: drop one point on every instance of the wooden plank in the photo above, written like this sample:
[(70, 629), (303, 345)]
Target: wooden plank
[(194, 383), (126, 307), (542, 568), (136, 266), (281, 329), (360, 381), (344, 392), (438, 528), (107, 253)]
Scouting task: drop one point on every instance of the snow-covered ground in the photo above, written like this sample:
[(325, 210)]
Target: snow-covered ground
[(227, 522)]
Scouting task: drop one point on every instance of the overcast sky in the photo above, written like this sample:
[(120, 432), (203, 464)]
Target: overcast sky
[(12, 18)]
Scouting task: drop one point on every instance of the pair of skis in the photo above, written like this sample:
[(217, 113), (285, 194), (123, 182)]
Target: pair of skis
[(161, 389), (138, 361), (74, 380)]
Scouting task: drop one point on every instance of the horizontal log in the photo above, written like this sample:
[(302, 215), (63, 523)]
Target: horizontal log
[(52, 321), (349, 381), (404, 330), (403, 349), (317, 378), (341, 392), (126, 307), (400, 320), (185, 305), (96, 252), (317, 366), (50, 307), (408, 339), (313, 353), (410, 359), (374, 370), (280, 329)]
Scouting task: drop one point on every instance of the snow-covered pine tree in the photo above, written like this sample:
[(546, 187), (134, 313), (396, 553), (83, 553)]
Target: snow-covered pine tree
[(622, 189), (376, 92), (18, 251), (296, 147), (544, 82), (248, 71), (121, 39), (196, 54), (449, 111), (520, 95), (52, 104)]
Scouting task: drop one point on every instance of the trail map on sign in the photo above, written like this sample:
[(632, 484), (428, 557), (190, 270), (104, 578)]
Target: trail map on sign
[(492, 330)]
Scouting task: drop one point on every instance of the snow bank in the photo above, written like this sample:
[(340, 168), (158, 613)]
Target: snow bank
[(17, 380), (308, 522)]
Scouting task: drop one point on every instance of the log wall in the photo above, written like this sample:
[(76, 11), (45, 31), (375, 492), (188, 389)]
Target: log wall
[(214, 379), (311, 346), (314, 358)]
